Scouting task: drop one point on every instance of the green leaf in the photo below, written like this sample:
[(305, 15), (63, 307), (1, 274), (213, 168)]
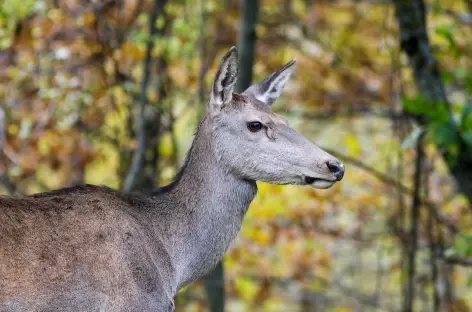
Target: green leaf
[(460, 73), (413, 105), (445, 32), (437, 113), (446, 76), (466, 119), (421, 106), (468, 83), (467, 136), (443, 134), (463, 245), (17, 9)]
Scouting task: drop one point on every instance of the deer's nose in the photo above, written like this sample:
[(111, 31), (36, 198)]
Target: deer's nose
[(336, 168)]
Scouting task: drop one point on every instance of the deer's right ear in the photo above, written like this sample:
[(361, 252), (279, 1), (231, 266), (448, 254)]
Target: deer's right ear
[(269, 89), (225, 79)]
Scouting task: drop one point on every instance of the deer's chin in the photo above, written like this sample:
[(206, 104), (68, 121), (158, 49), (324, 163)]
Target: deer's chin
[(322, 184)]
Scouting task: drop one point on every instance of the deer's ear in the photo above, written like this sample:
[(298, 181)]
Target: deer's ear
[(269, 89), (225, 79)]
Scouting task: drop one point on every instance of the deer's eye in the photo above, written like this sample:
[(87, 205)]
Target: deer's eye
[(254, 126)]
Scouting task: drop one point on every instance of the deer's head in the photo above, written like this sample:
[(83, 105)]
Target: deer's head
[(256, 144)]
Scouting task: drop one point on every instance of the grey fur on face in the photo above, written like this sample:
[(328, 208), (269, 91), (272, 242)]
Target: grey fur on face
[(89, 248)]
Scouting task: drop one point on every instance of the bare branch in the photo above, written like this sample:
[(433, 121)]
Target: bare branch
[(458, 260), (462, 18), (336, 113), (388, 180)]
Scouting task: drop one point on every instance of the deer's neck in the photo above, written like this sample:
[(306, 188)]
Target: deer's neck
[(207, 205)]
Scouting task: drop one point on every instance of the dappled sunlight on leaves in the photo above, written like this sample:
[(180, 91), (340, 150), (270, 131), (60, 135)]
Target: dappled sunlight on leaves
[(70, 81)]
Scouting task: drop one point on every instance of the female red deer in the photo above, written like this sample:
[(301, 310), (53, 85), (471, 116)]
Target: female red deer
[(91, 248)]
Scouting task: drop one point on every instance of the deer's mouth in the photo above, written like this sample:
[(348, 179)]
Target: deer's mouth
[(319, 183)]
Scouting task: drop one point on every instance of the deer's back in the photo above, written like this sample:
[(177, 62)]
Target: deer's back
[(76, 247)]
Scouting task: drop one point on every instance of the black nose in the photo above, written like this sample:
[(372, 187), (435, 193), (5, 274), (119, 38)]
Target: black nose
[(336, 168)]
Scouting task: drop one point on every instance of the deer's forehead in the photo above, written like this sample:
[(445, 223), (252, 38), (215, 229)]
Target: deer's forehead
[(252, 109), (265, 116)]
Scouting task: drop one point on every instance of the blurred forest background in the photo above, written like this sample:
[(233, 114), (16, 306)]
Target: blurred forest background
[(109, 92)]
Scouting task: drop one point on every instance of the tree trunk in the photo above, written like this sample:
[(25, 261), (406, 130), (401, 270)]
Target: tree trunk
[(148, 177), (215, 288), (247, 40), (214, 282), (203, 61), (136, 168), (413, 239), (414, 42)]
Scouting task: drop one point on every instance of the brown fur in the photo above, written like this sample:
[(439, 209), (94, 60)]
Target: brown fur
[(74, 239)]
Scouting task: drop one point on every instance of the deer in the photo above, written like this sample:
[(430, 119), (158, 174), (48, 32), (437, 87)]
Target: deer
[(93, 248)]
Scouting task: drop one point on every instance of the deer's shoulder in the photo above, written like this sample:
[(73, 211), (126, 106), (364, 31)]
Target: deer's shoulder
[(75, 215), (91, 200)]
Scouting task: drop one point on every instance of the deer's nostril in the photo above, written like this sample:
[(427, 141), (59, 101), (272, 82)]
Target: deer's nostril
[(336, 168)]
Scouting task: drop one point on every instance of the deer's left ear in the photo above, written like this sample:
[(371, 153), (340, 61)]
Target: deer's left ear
[(269, 89), (225, 79)]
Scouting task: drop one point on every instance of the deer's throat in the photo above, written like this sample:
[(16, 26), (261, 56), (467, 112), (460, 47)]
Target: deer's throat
[(211, 203)]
